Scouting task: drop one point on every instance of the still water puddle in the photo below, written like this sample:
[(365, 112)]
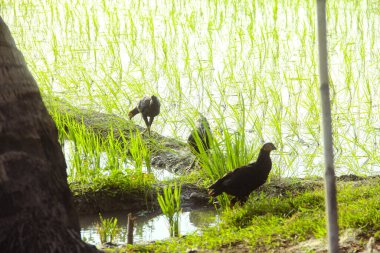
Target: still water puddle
[(148, 227)]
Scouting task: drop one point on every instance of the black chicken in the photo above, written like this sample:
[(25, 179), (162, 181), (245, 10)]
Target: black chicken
[(148, 107), (243, 180), (203, 132)]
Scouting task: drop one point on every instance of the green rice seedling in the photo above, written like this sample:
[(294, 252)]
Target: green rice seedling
[(100, 160), (112, 151), (170, 203), (224, 159), (99, 57), (60, 122), (229, 151), (85, 152), (107, 229), (139, 151)]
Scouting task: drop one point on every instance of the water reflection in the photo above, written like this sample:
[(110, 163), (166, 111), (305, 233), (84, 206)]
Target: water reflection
[(148, 227)]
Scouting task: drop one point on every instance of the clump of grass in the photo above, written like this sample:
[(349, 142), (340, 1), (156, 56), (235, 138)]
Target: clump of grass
[(103, 160), (170, 203), (108, 229), (277, 206), (227, 154), (139, 151)]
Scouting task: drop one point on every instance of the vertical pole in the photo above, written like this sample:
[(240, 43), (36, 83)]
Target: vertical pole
[(131, 221), (330, 187)]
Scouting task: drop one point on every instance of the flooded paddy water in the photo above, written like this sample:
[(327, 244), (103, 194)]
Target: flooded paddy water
[(248, 66), (148, 227)]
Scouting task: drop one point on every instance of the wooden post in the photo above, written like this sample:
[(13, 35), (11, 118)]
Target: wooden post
[(330, 185), (131, 221)]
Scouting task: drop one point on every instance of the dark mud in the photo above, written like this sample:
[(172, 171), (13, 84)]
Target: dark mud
[(90, 201)]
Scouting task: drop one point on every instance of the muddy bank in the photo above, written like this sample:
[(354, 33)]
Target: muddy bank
[(92, 201), (167, 153), (89, 200)]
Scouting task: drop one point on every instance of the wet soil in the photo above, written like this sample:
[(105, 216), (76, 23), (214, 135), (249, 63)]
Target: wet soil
[(93, 201)]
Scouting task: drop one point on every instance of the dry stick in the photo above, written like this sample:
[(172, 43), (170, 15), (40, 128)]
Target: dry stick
[(330, 186), (131, 221)]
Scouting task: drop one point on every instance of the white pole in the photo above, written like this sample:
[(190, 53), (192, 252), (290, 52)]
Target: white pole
[(330, 187)]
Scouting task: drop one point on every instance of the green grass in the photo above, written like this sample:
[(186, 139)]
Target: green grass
[(267, 222), (170, 203), (99, 159), (107, 229)]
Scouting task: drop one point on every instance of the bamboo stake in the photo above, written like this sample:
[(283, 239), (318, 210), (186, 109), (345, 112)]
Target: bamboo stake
[(131, 221), (330, 186)]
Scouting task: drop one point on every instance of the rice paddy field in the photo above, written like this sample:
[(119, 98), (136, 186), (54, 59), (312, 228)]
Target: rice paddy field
[(249, 66)]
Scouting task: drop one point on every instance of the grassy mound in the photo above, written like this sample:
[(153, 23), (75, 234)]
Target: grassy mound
[(280, 221)]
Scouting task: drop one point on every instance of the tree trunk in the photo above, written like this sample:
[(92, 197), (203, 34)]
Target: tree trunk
[(36, 207)]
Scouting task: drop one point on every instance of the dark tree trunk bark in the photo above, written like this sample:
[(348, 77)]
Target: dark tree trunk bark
[(36, 207)]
